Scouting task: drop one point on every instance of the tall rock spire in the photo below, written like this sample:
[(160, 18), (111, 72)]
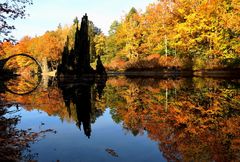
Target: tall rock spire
[(82, 46)]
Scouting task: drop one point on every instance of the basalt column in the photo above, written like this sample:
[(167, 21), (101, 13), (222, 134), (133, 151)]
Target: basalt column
[(81, 47)]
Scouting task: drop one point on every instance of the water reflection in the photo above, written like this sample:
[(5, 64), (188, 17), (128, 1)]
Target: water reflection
[(80, 98), (190, 118), (15, 142)]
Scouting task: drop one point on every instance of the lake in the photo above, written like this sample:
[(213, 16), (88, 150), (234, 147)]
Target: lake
[(142, 119)]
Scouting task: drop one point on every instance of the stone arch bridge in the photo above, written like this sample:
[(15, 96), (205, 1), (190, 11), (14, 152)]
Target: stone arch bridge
[(3, 72), (4, 61)]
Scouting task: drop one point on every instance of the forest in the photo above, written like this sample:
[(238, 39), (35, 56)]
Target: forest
[(187, 118), (169, 35)]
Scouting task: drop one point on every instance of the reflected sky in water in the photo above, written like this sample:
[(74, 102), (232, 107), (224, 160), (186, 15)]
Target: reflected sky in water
[(70, 143), (133, 119)]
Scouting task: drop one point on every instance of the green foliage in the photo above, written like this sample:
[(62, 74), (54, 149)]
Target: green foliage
[(113, 28), (231, 63), (93, 31)]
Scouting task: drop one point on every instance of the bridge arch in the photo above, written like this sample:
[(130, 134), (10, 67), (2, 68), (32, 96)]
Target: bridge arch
[(4, 62), (26, 92), (24, 55)]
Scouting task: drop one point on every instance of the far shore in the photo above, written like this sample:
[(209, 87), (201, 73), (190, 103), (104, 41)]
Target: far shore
[(225, 73), (234, 73)]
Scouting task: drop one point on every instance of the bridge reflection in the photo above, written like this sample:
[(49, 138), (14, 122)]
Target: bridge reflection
[(77, 99), (17, 82)]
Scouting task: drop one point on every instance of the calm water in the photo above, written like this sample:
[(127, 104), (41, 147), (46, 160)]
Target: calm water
[(130, 119)]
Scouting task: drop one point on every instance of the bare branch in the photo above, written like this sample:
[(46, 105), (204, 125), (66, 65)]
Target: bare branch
[(11, 10)]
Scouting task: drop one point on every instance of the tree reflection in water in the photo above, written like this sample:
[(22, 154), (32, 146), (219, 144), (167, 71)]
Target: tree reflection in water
[(82, 97), (190, 118), (14, 142), (201, 122)]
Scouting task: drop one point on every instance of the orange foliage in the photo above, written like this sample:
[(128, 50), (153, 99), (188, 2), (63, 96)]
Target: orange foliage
[(194, 124), (189, 118), (49, 101), (116, 64), (23, 45), (119, 82)]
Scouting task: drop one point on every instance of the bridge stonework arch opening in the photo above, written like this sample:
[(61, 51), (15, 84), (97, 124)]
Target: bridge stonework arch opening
[(4, 61), (28, 70)]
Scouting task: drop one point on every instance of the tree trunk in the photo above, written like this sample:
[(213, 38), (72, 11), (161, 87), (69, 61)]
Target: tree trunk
[(45, 66), (166, 100)]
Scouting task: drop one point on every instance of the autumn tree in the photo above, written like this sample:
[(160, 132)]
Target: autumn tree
[(194, 34), (7, 49), (100, 46), (23, 45), (93, 31), (128, 35), (202, 122), (112, 47)]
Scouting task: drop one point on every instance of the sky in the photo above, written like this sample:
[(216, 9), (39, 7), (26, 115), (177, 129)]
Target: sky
[(46, 15)]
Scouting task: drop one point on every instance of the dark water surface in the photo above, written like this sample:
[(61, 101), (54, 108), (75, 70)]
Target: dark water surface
[(130, 119)]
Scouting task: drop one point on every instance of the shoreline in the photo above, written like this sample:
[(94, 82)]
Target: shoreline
[(235, 73)]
